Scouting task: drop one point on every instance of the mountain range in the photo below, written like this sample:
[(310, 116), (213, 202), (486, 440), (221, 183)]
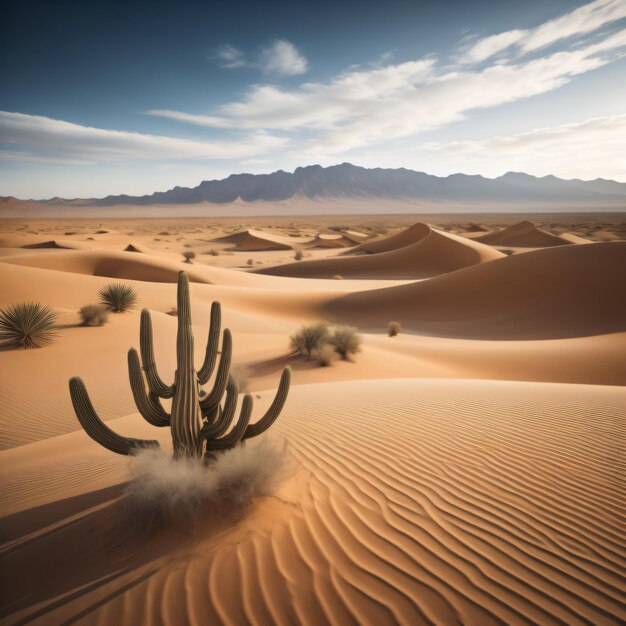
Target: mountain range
[(350, 181)]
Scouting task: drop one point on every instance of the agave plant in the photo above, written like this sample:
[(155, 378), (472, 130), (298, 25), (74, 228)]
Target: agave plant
[(198, 421), (118, 297), (27, 325)]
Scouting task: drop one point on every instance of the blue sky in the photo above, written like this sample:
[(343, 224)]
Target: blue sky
[(101, 98)]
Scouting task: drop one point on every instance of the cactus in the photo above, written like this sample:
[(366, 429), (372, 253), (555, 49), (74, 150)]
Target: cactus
[(199, 422)]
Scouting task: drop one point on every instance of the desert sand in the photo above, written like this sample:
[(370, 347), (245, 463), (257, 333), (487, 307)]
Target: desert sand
[(468, 471)]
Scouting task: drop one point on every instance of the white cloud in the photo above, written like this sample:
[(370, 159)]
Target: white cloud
[(594, 147), (583, 20), (230, 57), (366, 107), (282, 58), (51, 139)]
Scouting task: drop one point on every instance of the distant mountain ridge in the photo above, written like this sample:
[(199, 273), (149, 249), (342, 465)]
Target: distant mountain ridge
[(351, 181)]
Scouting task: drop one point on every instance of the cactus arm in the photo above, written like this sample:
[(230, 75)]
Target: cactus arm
[(148, 405), (236, 434), (211, 400), (210, 357), (225, 415), (97, 429), (146, 344), (253, 430)]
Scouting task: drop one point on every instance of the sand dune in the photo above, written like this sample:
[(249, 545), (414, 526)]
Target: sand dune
[(572, 238), (435, 252), (434, 512), (405, 237), (332, 241), (523, 235), (256, 240), (557, 292)]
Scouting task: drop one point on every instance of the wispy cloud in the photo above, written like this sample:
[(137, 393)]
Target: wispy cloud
[(365, 107), (230, 57), (279, 58), (582, 21), (50, 139), (581, 149)]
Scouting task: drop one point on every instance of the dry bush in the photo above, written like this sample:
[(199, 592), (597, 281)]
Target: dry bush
[(393, 328), (298, 255), (189, 255), (346, 340), (94, 314), (309, 338), (325, 355), (213, 252), (184, 492), (250, 261)]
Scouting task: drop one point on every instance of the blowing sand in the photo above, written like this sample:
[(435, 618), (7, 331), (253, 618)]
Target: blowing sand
[(467, 471)]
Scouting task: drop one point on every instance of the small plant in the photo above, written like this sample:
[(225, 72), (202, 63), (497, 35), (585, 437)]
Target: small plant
[(346, 341), (250, 261), (118, 297), (27, 325), (213, 252), (299, 255), (189, 255), (393, 328), (94, 314), (309, 338), (173, 311), (325, 355)]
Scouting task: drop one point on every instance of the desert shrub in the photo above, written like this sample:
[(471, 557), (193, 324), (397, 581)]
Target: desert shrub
[(393, 328), (164, 233), (189, 255), (118, 297), (507, 251), (325, 355), (187, 245), (93, 314), (299, 255), (250, 261), (213, 252), (173, 311), (163, 492), (346, 341), (337, 277), (27, 325), (309, 338)]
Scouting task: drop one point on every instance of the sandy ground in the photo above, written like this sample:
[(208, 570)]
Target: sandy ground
[(468, 471)]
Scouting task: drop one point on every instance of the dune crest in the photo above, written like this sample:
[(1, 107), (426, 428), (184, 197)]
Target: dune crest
[(523, 235), (550, 293), (430, 252)]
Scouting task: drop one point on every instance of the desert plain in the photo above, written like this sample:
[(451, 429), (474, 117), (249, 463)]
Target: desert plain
[(469, 470)]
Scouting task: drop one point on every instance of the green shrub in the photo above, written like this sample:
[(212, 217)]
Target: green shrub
[(118, 297), (309, 338), (27, 325), (94, 314), (346, 341)]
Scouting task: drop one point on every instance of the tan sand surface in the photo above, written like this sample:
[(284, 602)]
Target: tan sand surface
[(467, 471)]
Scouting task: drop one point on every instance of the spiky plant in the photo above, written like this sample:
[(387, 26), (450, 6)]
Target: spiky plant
[(118, 297), (346, 341), (198, 420), (309, 338), (93, 314), (27, 325)]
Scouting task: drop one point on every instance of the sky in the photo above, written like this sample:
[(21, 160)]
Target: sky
[(102, 98)]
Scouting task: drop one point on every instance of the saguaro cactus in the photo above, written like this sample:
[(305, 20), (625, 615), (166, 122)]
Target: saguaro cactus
[(198, 420)]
